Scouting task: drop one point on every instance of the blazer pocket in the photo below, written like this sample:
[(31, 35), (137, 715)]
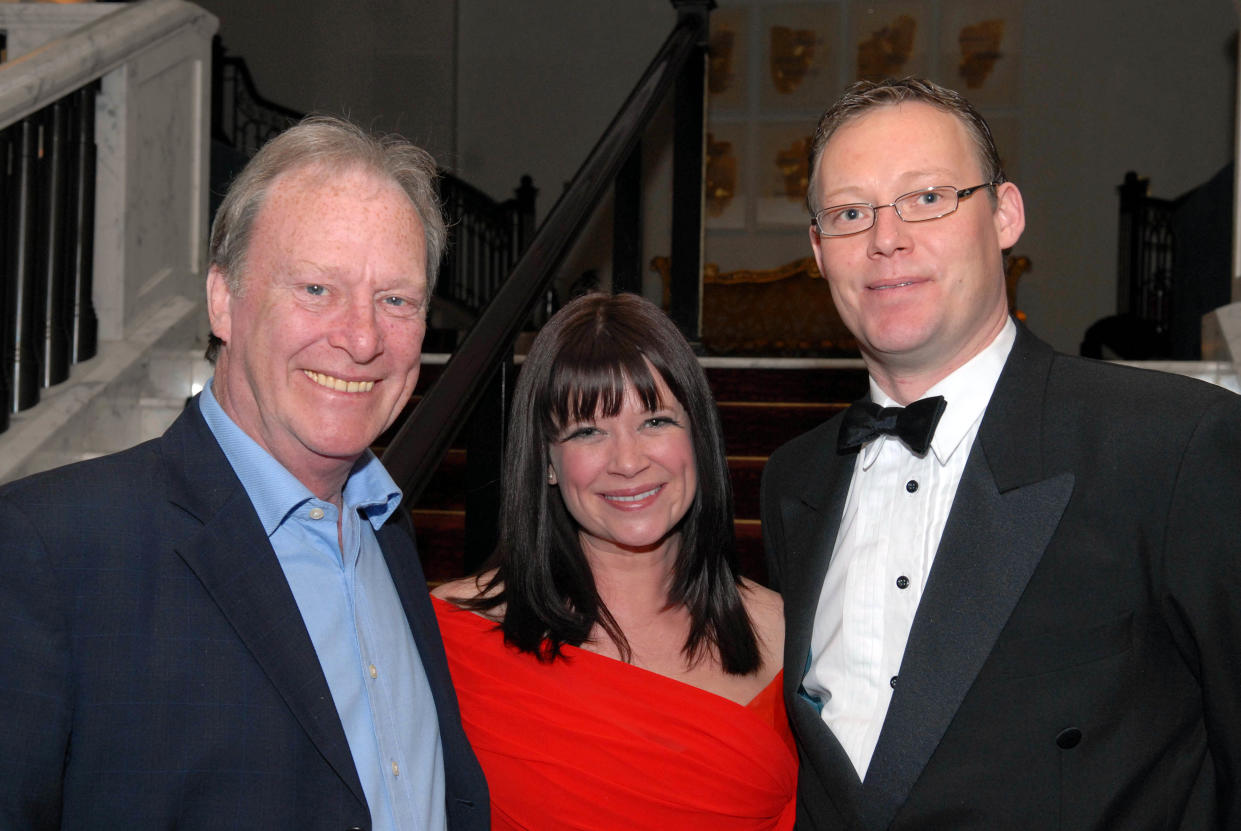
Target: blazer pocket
[(1055, 651)]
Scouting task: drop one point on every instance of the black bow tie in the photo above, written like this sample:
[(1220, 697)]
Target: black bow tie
[(914, 425)]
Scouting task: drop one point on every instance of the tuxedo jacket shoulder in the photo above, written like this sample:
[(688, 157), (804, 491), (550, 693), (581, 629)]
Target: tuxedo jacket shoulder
[(1074, 659), (154, 668)]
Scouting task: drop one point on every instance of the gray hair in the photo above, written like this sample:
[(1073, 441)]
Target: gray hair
[(332, 143), (864, 96)]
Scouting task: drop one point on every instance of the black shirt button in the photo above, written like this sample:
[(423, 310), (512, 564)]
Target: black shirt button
[(902, 582), (1069, 738), (892, 682), (912, 485)]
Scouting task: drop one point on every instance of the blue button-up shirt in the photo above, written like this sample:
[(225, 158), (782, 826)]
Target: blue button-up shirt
[(355, 620)]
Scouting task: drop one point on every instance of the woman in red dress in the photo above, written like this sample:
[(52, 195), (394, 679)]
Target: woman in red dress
[(613, 669)]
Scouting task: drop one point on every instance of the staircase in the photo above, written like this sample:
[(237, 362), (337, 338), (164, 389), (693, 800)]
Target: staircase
[(763, 403), (105, 236)]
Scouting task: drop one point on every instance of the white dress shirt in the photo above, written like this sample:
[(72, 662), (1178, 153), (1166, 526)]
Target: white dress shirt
[(893, 519)]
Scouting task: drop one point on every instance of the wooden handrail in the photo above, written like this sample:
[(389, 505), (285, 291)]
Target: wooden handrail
[(422, 441)]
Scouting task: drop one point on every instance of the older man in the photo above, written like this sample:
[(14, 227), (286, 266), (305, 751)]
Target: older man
[(1010, 576), (227, 627)]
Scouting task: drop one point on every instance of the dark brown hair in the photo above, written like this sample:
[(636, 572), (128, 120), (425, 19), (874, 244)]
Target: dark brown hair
[(580, 367)]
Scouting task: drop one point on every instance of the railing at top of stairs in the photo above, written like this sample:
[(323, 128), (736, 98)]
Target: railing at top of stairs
[(476, 378)]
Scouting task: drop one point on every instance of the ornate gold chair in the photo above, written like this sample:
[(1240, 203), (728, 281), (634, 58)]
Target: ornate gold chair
[(784, 311)]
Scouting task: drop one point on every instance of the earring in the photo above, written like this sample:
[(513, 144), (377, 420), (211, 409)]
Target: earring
[(551, 477)]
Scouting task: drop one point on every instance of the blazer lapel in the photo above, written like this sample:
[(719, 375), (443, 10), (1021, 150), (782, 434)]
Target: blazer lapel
[(232, 557), (811, 510), (1004, 514)]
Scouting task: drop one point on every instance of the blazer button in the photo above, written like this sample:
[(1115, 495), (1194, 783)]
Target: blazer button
[(1069, 738)]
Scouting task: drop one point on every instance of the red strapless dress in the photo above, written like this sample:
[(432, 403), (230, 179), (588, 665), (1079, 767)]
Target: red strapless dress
[(594, 744)]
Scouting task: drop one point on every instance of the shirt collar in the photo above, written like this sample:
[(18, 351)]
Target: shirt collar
[(967, 390), (276, 493)]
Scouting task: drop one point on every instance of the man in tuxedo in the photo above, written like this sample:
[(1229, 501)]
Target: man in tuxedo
[(1010, 576), (228, 627)]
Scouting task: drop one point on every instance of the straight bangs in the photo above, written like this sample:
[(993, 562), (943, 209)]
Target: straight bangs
[(589, 379)]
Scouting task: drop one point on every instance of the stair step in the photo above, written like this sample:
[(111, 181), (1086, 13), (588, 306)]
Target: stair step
[(441, 543), (756, 428), (746, 473), (446, 489), (750, 549), (805, 380)]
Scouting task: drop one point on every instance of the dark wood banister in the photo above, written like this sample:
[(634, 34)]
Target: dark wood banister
[(416, 450)]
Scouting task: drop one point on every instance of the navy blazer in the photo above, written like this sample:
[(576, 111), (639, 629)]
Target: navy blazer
[(1075, 661), (154, 669)]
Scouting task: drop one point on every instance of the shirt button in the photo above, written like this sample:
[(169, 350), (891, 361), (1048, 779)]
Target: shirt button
[(374, 672), (316, 513), (1068, 738), (892, 682), (912, 486), (396, 771), (902, 582)]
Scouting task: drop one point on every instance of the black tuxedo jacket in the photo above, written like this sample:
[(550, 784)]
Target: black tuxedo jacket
[(155, 672), (1075, 661)]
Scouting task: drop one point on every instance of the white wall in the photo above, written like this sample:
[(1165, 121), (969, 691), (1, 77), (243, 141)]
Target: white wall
[(539, 81)]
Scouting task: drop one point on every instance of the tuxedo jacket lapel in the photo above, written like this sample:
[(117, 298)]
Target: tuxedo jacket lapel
[(231, 556), (810, 513), (1004, 514)]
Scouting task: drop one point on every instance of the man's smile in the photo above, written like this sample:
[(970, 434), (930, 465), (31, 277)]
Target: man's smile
[(338, 384)]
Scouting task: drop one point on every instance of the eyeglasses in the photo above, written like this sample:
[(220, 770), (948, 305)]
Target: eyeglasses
[(915, 206)]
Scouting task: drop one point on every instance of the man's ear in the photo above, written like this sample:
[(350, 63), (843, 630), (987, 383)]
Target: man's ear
[(1010, 214), (219, 304), (816, 245)]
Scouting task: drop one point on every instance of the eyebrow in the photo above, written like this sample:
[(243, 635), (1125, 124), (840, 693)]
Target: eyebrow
[(310, 270), (850, 194)]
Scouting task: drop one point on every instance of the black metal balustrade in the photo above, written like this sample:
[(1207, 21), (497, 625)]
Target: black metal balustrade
[(1174, 264), (1145, 256), (47, 225), (240, 116), (487, 237)]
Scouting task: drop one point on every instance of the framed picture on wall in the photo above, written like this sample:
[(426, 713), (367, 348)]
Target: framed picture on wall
[(724, 186), (889, 38), (799, 56), (980, 47), (728, 57), (782, 169)]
